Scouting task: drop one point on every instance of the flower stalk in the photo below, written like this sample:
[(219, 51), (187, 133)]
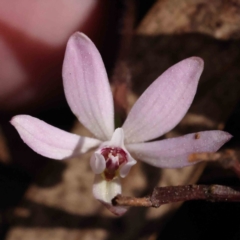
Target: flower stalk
[(164, 195)]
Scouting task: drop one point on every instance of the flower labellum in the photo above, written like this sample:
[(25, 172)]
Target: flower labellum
[(114, 157), (158, 110)]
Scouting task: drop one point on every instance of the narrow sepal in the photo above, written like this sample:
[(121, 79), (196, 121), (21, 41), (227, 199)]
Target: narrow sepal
[(86, 86), (164, 103), (50, 141), (175, 152)]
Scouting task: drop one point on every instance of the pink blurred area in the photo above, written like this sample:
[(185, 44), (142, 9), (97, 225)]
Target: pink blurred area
[(33, 35)]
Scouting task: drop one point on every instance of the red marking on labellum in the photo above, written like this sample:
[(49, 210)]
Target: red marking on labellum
[(114, 158)]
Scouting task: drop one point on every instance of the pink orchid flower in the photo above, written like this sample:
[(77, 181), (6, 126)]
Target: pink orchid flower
[(157, 111)]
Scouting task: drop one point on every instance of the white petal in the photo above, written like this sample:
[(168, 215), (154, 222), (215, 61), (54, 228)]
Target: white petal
[(105, 191), (174, 152), (124, 170), (164, 103), (50, 141), (86, 86), (97, 163), (117, 139)]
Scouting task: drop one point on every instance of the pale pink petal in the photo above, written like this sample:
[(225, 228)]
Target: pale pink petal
[(50, 141), (105, 191), (164, 103), (174, 152), (97, 163), (86, 86)]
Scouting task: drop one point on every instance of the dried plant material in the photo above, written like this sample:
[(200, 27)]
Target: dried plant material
[(228, 158), (197, 136), (220, 19), (58, 233)]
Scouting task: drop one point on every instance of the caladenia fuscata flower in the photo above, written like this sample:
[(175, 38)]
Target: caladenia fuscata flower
[(157, 111)]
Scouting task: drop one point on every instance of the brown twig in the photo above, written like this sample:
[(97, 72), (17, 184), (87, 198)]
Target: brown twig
[(228, 158), (121, 77), (120, 200), (225, 155), (163, 195)]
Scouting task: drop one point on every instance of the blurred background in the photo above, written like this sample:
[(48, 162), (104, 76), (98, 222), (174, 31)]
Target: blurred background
[(44, 199)]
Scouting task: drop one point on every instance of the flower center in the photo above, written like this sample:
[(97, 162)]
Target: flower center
[(114, 158)]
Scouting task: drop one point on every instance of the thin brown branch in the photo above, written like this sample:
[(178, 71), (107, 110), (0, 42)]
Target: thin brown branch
[(132, 201), (121, 74), (225, 155), (164, 195), (121, 78), (228, 158)]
